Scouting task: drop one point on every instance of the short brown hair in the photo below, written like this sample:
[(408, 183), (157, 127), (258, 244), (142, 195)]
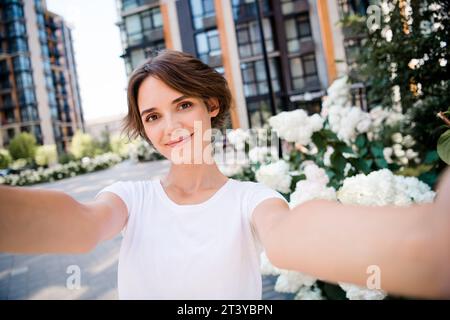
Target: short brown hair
[(184, 73)]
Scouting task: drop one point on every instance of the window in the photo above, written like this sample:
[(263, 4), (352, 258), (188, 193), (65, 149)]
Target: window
[(139, 26), (201, 9), (18, 45), (9, 115), (21, 63), (303, 71), (16, 29), (348, 7), (259, 111), (7, 100), (243, 9), (208, 44), (13, 11), (255, 79), (137, 57), (134, 30), (29, 113), (24, 79), (297, 30), (249, 39), (26, 96)]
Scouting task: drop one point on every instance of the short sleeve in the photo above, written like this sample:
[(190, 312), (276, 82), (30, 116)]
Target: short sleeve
[(258, 194), (123, 189)]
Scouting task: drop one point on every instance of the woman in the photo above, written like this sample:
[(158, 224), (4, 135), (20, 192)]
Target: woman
[(197, 234)]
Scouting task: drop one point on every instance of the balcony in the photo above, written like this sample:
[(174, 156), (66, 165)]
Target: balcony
[(206, 22), (131, 7), (295, 7)]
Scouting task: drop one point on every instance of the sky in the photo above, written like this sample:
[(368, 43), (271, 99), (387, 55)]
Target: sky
[(101, 72)]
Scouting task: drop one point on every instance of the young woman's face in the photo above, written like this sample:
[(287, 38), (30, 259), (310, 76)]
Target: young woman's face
[(168, 116)]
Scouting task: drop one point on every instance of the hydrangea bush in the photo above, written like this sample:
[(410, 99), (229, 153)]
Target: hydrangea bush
[(61, 171), (344, 154)]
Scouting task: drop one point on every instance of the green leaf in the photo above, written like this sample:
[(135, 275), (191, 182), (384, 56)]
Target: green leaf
[(329, 134), (377, 151), (337, 161), (431, 157), (381, 163), (443, 147), (360, 140), (343, 148), (362, 152), (361, 165), (319, 141)]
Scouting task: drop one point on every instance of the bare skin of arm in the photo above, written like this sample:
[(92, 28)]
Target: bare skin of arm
[(337, 243), (45, 221)]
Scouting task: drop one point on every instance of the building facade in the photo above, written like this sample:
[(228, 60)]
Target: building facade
[(38, 80), (302, 43)]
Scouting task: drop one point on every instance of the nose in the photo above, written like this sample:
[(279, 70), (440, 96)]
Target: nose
[(173, 127)]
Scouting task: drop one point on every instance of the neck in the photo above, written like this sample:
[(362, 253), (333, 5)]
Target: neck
[(194, 177)]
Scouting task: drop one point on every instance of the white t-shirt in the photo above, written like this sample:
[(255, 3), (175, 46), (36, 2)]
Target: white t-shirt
[(200, 251)]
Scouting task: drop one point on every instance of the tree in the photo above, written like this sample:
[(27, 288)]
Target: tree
[(23, 146), (406, 50)]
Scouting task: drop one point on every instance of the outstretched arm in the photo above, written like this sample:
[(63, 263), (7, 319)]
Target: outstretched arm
[(336, 242), (44, 221)]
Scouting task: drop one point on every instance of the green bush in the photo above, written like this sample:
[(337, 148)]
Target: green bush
[(83, 145), (46, 155), (119, 146), (66, 158), (5, 159), (23, 146), (18, 164)]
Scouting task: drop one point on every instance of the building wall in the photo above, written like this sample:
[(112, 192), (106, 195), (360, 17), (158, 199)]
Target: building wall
[(301, 38), (40, 84)]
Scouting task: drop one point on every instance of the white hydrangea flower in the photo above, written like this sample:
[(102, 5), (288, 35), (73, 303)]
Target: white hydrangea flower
[(353, 292), (347, 122), (275, 175), (411, 154), (327, 156), (267, 268), (231, 169), (291, 281), (296, 126), (309, 293), (387, 153), (382, 187), (408, 141), (313, 187), (238, 137), (397, 137), (262, 154)]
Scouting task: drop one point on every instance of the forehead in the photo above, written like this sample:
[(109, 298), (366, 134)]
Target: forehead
[(154, 93)]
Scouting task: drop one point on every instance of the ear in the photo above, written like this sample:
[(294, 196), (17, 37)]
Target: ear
[(213, 107)]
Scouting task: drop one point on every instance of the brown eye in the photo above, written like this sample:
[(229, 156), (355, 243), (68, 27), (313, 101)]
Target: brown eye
[(186, 105), (150, 117)]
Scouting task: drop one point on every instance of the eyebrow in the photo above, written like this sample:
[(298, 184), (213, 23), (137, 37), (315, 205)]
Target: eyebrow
[(174, 101)]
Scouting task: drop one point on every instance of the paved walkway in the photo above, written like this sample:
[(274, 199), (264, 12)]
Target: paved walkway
[(47, 276)]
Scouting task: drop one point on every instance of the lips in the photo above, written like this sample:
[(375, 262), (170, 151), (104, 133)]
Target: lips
[(171, 144)]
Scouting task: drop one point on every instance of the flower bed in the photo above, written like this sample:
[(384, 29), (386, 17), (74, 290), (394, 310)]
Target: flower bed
[(61, 171)]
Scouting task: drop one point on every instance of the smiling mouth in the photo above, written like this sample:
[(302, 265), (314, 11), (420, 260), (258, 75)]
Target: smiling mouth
[(172, 144)]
